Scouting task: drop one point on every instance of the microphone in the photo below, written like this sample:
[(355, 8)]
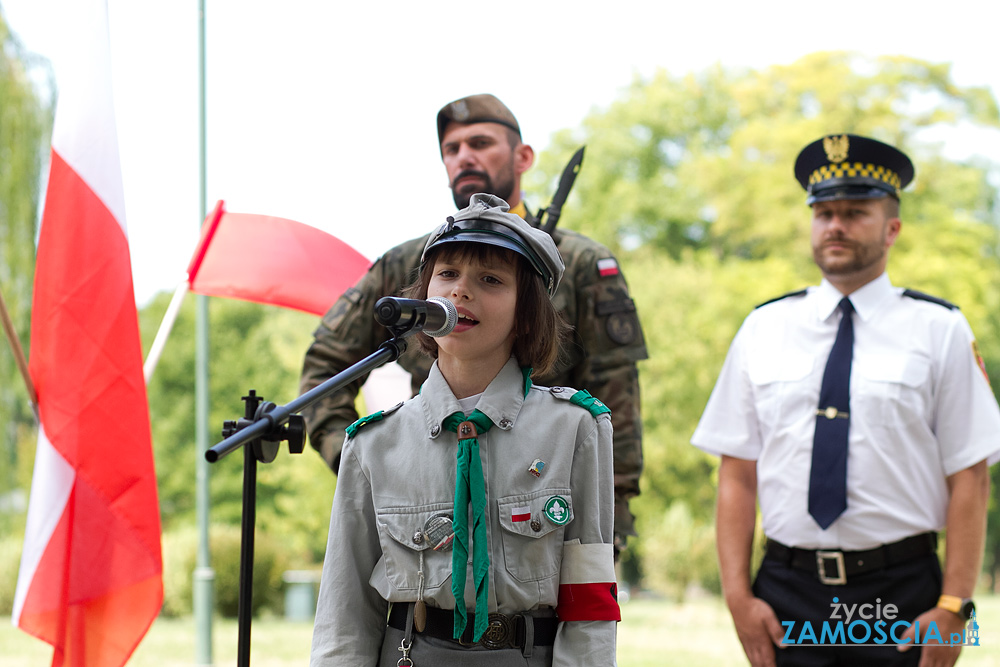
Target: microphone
[(437, 316)]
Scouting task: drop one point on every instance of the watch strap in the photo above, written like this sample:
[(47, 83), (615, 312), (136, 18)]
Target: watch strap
[(954, 604)]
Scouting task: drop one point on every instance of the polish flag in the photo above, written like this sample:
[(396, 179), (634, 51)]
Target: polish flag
[(272, 260), (522, 513), (607, 267), (90, 582)]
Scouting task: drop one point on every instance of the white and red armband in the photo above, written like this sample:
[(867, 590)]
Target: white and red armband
[(588, 590)]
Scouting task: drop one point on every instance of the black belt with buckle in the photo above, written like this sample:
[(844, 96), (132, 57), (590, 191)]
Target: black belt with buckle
[(502, 631), (834, 567)]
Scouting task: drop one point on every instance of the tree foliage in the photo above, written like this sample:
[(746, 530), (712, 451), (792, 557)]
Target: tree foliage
[(705, 160), (690, 180), (24, 125), (251, 347)]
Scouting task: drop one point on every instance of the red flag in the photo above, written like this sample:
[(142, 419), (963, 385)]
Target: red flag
[(272, 260), (90, 581)]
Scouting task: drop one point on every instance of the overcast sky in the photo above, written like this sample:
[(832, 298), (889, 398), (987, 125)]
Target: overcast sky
[(323, 112)]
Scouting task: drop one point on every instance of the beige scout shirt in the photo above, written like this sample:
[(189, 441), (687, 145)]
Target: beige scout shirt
[(399, 472)]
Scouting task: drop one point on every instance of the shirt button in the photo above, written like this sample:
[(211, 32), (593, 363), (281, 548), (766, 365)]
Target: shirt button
[(536, 525), (418, 537), (556, 390), (435, 430), (504, 424)]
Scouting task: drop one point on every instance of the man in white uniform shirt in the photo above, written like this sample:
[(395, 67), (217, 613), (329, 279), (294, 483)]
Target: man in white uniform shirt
[(860, 416)]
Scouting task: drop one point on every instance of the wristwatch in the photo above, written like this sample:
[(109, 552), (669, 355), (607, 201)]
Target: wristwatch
[(964, 607)]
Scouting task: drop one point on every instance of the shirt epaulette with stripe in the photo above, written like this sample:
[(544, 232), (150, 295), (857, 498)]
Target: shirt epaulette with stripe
[(800, 292), (581, 398), (914, 294), (371, 419)]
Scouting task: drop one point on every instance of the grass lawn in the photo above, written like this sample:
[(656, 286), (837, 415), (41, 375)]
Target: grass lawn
[(652, 633)]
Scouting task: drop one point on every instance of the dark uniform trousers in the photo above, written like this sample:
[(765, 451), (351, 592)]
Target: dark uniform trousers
[(432, 652), (796, 595)]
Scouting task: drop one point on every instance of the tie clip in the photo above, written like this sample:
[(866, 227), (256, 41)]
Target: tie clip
[(832, 413)]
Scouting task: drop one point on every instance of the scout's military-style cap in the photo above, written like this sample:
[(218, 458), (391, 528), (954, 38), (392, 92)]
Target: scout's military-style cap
[(486, 220), (848, 166), (476, 109)]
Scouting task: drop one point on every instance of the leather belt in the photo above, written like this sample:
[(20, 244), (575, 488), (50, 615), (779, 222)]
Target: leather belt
[(503, 631), (833, 567)]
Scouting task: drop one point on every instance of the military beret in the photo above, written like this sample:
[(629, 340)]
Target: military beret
[(848, 166), (476, 109), (486, 220)]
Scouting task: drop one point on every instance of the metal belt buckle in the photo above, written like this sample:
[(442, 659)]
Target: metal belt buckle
[(837, 557), (499, 632), (469, 631)]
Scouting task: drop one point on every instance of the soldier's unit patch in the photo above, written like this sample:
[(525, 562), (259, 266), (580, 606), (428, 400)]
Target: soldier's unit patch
[(621, 328), (979, 360), (622, 325)]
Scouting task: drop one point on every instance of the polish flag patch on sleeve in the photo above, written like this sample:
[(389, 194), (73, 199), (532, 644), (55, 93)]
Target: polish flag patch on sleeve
[(522, 513), (607, 267)]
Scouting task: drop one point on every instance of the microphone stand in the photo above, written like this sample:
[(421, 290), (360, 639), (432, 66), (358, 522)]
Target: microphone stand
[(262, 428)]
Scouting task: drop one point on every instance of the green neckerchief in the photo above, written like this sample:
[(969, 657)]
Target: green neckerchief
[(470, 488)]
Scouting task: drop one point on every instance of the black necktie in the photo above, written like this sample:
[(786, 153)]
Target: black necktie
[(828, 476)]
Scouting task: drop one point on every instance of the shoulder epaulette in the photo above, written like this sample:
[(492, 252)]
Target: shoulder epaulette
[(914, 294), (585, 400), (370, 419), (800, 292)]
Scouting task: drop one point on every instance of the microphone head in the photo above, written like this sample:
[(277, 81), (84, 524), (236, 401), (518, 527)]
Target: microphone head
[(451, 317)]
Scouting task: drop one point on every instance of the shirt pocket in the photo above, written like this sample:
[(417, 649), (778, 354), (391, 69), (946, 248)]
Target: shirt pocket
[(777, 385), (890, 389), (532, 527), (402, 536)]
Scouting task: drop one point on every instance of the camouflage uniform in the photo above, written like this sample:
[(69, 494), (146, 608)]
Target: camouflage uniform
[(600, 357)]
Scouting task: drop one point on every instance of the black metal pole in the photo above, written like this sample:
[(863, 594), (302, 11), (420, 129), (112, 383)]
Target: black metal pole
[(245, 608)]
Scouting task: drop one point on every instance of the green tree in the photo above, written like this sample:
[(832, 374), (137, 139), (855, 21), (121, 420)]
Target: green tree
[(25, 121), (705, 160), (252, 347), (689, 179)]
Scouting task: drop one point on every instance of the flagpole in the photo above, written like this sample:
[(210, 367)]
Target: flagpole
[(15, 346), (204, 575), (163, 333)]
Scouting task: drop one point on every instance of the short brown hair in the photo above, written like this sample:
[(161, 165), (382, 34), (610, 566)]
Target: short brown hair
[(891, 207), (538, 328)]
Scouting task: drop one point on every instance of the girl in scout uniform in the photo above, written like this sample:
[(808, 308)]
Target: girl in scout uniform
[(484, 488)]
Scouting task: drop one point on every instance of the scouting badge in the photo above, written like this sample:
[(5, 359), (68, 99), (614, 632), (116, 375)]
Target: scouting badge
[(557, 511), (440, 532)]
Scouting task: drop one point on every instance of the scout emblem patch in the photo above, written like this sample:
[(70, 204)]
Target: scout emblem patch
[(522, 513), (979, 360), (557, 511), (536, 467)]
